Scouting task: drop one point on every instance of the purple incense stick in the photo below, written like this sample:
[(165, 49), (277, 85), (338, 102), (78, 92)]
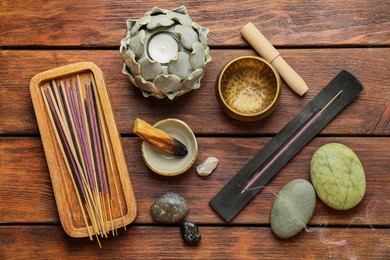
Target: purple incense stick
[(97, 137), (65, 142)]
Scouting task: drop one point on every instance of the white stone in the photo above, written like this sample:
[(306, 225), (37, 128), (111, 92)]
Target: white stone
[(207, 167)]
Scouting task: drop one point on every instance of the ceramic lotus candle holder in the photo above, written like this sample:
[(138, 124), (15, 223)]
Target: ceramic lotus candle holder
[(165, 53)]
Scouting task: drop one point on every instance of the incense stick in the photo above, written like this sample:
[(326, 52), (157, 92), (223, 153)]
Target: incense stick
[(109, 156), (66, 162), (287, 146), (79, 127), (70, 150)]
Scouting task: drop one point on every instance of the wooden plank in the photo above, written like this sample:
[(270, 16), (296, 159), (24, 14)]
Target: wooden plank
[(316, 66), (26, 195), (98, 24), (159, 242)]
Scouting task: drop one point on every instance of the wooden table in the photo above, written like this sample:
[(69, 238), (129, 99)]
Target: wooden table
[(318, 39)]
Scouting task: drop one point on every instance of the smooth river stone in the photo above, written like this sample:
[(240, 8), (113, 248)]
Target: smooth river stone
[(338, 176), (207, 167), (169, 208), (293, 208)]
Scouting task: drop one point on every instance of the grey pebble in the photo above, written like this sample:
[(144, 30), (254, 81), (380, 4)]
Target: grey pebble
[(293, 208)]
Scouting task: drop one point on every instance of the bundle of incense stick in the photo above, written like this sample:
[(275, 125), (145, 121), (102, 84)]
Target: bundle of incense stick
[(78, 123)]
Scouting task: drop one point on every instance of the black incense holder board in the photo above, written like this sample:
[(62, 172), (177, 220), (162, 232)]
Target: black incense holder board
[(229, 201)]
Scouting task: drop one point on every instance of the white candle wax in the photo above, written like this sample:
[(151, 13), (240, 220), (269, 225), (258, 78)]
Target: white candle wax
[(163, 47)]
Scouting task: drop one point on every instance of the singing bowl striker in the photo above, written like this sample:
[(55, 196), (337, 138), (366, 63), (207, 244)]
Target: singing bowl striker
[(248, 88)]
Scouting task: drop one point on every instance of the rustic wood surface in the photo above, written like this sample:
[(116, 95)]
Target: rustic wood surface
[(317, 38)]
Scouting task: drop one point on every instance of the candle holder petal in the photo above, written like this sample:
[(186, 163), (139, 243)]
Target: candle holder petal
[(138, 24), (198, 56), (156, 10), (193, 81), (168, 84), (183, 19), (137, 43), (158, 21), (150, 69), (181, 66), (188, 36), (133, 66), (202, 32), (181, 10), (147, 87)]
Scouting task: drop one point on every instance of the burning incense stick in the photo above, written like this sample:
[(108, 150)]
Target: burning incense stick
[(288, 145)]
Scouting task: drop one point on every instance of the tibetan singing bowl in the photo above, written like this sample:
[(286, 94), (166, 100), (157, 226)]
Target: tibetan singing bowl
[(248, 88)]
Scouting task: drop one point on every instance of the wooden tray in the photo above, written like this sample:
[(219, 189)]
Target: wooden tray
[(70, 212)]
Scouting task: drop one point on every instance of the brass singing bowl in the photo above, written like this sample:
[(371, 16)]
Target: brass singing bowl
[(248, 88)]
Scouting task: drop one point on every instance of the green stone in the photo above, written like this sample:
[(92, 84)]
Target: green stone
[(338, 176), (293, 208)]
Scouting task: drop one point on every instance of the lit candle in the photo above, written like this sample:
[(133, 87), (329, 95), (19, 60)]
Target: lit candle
[(163, 47)]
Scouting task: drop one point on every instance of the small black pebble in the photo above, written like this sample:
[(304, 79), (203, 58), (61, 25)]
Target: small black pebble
[(190, 232)]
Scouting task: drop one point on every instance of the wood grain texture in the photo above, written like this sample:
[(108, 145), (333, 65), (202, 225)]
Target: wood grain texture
[(316, 66), (102, 23), (318, 38), (27, 182), (146, 242)]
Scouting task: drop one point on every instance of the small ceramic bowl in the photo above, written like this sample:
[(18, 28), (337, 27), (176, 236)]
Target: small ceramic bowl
[(164, 163), (248, 88)]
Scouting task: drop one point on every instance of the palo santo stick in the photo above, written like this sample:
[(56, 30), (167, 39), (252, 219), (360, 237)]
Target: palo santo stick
[(159, 138)]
